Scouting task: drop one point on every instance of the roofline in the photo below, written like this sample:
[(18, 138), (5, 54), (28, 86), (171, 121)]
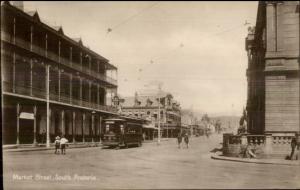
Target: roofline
[(13, 8)]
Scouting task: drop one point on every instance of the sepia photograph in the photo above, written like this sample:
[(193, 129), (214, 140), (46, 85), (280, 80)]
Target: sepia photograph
[(150, 95)]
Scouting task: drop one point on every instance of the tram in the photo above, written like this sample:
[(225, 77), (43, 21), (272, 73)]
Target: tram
[(122, 132)]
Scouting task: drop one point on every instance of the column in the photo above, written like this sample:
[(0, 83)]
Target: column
[(71, 86), (80, 89), (83, 127), (18, 124), (59, 51), (93, 127), (100, 128), (59, 76), (271, 26), (14, 39), (105, 96), (71, 56), (73, 125), (31, 73), (80, 59), (90, 92), (98, 94), (62, 122), (46, 45), (48, 111), (14, 72), (34, 124), (31, 37)]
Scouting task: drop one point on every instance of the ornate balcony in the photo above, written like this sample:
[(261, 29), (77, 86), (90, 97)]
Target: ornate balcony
[(54, 57), (41, 93)]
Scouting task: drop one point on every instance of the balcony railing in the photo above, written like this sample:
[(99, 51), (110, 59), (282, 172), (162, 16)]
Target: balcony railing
[(54, 57), (41, 93)]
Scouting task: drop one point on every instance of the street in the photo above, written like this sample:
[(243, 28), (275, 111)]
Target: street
[(151, 166)]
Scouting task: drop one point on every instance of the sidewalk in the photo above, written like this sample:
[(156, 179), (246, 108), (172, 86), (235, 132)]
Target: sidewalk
[(15, 148), (26, 148), (257, 161)]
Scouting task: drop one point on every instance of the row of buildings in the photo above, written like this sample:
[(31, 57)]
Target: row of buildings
[(54, 85)]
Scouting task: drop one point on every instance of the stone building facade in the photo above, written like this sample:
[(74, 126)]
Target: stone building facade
[(273, 101), (273, 69), (51, 84)]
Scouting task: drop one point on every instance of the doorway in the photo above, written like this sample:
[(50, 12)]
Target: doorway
[(26, 131)]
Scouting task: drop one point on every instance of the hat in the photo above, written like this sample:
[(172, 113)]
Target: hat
[(57, 138)]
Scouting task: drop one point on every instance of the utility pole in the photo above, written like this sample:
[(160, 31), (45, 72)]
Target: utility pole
[(158, 136)]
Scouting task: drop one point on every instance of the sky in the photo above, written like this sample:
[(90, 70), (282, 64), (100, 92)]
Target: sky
[(195, 49)]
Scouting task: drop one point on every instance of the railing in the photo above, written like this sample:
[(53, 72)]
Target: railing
[(282, 140), (25, 90), (22, 43), (38, 50), (54, 57), (38, 92), (53, 96), (65, 99), (41, 93), (256, 139)]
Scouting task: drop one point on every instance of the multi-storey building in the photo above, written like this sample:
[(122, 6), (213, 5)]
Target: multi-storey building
[(273, 69), (51, 84), (147, 106)]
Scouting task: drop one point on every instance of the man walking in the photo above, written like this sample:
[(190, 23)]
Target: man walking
[(179, 139), (293, 146), (186, 140)]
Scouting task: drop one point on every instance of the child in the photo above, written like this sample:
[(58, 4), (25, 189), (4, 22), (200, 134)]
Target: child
[(57, 144)]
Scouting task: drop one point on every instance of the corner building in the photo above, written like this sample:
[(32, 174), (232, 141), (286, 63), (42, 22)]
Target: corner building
[(273, 70), (43, 68)]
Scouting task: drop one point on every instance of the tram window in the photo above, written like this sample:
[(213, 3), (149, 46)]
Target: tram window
[(112, 129)]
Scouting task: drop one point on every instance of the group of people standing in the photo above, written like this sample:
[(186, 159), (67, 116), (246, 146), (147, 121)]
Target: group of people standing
[(60, 143), (184, 136)]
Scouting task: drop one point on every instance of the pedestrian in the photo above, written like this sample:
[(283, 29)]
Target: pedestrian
[(298, 146), (179, 139), (207, 132), (293, 146), (57, 144), (186, 140), (63, 143)]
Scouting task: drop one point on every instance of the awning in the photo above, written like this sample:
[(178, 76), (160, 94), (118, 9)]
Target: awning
[(25, 115), (149, 126)]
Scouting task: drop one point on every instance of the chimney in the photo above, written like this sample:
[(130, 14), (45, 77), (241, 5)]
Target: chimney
[(18, 4)]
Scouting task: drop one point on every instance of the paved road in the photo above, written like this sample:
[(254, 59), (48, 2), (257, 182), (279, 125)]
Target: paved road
[(150, 166)]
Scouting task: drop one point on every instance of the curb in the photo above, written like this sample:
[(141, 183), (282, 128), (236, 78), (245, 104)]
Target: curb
[(45, 148), (256, 161)]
